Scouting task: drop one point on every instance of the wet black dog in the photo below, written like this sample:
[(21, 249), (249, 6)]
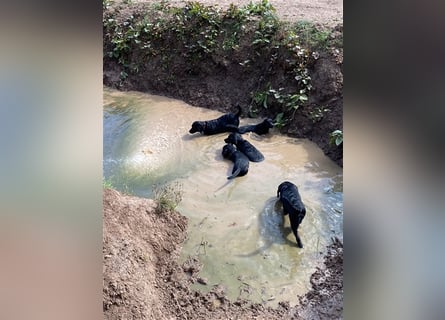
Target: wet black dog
[(260, 128), (245, 147), (226, 123), (292, 205), (239, 159)]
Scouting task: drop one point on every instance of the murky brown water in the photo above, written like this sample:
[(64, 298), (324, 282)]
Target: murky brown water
[(235, 227)]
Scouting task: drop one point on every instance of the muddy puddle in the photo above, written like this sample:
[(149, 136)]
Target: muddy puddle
[(235, 227)]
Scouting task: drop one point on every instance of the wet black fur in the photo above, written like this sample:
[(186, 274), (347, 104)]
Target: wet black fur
[(239, 159), (260, 128), (292, 205), (245, 147), (226, 123)]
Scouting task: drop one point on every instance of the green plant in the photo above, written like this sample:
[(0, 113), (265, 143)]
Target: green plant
[(106, 4), (318, 113), (260, 98), (168, 196), (259, 8), (123, 75), (294, 101), (311, 36), (279, 120), (336, 137), (107, 184), (267, 25), (162, 5)]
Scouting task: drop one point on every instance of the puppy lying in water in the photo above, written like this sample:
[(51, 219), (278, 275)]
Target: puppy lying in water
[(239, 159), (292, 205), (226, 123), (260, 128), (245, 147)]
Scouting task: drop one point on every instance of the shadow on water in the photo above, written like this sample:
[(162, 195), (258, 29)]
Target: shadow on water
[(271, 228)]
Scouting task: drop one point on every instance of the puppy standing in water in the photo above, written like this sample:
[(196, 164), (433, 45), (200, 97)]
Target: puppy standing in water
[(260, 128), (239, 159), (292, 205), (245, 147), (226, 123)]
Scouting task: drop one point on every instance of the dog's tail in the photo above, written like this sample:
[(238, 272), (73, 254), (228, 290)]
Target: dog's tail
[(235, 174), (223, 186), (238, 114)]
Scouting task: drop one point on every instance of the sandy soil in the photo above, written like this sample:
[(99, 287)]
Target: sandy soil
[(327, 12), (143, 280)]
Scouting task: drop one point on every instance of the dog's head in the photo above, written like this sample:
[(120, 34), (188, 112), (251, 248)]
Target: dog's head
[(196, 127), (227, 150), (284, 186), (233, 138)]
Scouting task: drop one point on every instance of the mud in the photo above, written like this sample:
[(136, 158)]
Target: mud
[(143, 279)]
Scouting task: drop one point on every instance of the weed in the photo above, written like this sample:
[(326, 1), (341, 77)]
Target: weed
[(311, 36), (279, 120), (260, 98), (260, 8), (318, 113), (162, 5), (123, 75), (106, 4), (336, 137), (168, 196), (107, 184), (288, 102)]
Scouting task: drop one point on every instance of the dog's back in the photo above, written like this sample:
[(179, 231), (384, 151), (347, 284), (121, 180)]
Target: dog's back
[(239, 159), (245, 147), (292, 205), (226, 123), (260, 128), (288, 192)]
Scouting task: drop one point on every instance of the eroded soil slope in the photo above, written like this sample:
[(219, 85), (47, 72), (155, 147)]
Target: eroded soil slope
[(196, 55)]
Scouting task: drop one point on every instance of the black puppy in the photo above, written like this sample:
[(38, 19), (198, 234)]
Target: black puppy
[(292, 205), (239, 159), (245, 147), (226, 123), (260, 128)]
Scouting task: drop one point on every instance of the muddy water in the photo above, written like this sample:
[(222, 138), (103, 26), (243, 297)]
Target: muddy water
[(234, 226)]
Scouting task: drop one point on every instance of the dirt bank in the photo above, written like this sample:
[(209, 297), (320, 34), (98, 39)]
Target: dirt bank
[(143, 280), (216, 59), (326, 12)]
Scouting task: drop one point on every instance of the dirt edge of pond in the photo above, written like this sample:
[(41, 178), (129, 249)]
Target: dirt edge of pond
[(221, 80), (143, 279)]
